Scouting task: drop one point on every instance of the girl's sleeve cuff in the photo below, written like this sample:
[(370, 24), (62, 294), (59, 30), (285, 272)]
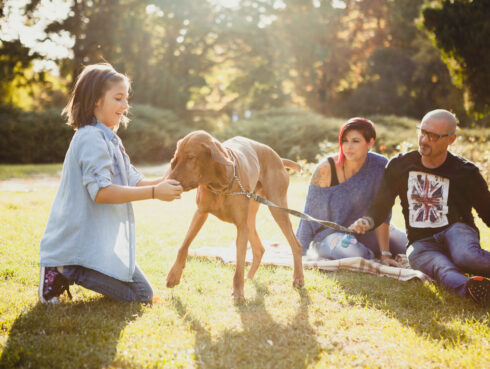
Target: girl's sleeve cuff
[(95, 183), (134, 176)]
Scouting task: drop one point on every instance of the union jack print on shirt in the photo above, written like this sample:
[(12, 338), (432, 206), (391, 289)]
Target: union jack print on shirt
[(427, 198)]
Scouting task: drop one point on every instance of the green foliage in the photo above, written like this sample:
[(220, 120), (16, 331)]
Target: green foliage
[(394, 134), (18, 171), (32, 137), (164, 46), (368, 57), (404, 74), (304, 135), (466, 44), (15, 62), (318, 50), (152, 134), (42, 137), (292, 132)]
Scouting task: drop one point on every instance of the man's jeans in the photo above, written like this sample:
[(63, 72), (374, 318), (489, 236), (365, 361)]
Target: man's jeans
[(138, 290), (448, 254)]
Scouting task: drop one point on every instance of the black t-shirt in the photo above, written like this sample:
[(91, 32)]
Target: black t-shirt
[(431, 199)]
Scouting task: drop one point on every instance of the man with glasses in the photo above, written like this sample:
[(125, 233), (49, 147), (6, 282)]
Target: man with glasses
[(438, 191)]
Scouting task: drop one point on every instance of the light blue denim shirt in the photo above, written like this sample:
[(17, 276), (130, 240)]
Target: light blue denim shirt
[(80, 231)]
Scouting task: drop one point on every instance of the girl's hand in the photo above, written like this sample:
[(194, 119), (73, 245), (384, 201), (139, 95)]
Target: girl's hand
[(168, 190)]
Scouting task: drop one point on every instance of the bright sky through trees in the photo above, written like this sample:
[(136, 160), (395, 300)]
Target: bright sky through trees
[(328, 55), (15, 24), (31, 33)]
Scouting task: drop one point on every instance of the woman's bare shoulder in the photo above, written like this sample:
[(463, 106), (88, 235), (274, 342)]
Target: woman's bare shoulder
[(322, 176)]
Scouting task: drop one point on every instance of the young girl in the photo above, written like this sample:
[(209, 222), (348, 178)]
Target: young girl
[(90, 236)]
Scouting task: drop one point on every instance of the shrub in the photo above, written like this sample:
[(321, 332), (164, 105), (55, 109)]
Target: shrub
[(299, 134), (394, 134), (43, 137), (152, 134), (32, 137), (292, 133)]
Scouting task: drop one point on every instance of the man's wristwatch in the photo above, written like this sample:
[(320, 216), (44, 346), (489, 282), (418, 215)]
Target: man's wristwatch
[(386, 253)]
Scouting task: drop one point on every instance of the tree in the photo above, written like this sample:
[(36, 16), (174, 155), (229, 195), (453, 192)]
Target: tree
[(251, 64), (183, 38), (15, 64), (403, 73), (164, 46), (94, 26), (318, 53), (15, 59), (462, 32)]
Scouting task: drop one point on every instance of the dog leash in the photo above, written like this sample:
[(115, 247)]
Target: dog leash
[(264, 201), (299, 214)]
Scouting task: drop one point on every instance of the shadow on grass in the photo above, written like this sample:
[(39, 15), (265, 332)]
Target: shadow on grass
[(80, 334), (262, 342), (425, 308)]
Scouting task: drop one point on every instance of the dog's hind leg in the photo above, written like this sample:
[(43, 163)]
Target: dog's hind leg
[(253, 237), (241, 251), (282, 219), (173, 277), (277, 192)]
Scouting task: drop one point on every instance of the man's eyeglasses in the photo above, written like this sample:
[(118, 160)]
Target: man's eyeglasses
[(433, 137)]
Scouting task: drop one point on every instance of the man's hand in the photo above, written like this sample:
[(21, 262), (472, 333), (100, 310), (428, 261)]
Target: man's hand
[(389, 261), (362, 225), (168, 190)]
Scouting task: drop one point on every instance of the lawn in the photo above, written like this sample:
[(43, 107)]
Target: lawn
[(338, 320)]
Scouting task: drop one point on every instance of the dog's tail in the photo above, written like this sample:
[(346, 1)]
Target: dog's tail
[(291, 165)]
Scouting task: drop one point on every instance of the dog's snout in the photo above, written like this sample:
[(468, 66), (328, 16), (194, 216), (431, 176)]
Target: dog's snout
[(178, 174), (172, 174)]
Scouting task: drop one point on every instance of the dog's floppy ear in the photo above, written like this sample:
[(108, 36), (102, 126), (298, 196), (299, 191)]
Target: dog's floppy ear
[(218, 153), (173, 162)]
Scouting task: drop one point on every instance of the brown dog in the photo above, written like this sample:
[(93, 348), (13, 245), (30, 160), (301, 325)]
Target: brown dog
[(202, 161)]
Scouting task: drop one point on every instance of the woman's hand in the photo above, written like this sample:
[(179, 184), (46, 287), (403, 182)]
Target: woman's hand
[(168, 190), (362, 225)]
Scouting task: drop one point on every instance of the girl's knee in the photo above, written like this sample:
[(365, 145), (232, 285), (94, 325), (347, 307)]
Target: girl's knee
[(146, 294)]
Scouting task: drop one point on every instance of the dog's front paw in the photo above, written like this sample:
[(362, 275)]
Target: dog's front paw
[(238, 296), (298, 282), (173, 277)]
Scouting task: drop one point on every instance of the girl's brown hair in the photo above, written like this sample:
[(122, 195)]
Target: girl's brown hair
[(92, 83)]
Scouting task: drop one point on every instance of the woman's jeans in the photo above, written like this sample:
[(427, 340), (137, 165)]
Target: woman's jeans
[(448, 254), (340, 245), (138, 290)]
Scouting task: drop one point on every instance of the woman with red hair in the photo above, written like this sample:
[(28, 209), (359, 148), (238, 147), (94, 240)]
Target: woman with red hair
[(341, 190)]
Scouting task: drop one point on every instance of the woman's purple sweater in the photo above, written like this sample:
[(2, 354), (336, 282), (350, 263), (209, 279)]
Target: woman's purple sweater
[(343, 203)]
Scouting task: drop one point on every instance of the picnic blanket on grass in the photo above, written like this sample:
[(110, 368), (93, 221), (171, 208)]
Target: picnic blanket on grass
[(277, 254)]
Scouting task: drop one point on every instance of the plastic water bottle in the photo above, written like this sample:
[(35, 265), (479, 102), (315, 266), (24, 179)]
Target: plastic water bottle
[(347, 240)]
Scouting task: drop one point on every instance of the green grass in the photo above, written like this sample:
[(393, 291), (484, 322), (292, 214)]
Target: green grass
[(8, 171), (338, 320)]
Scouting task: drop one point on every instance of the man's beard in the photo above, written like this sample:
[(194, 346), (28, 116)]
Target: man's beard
[(425, 150)]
